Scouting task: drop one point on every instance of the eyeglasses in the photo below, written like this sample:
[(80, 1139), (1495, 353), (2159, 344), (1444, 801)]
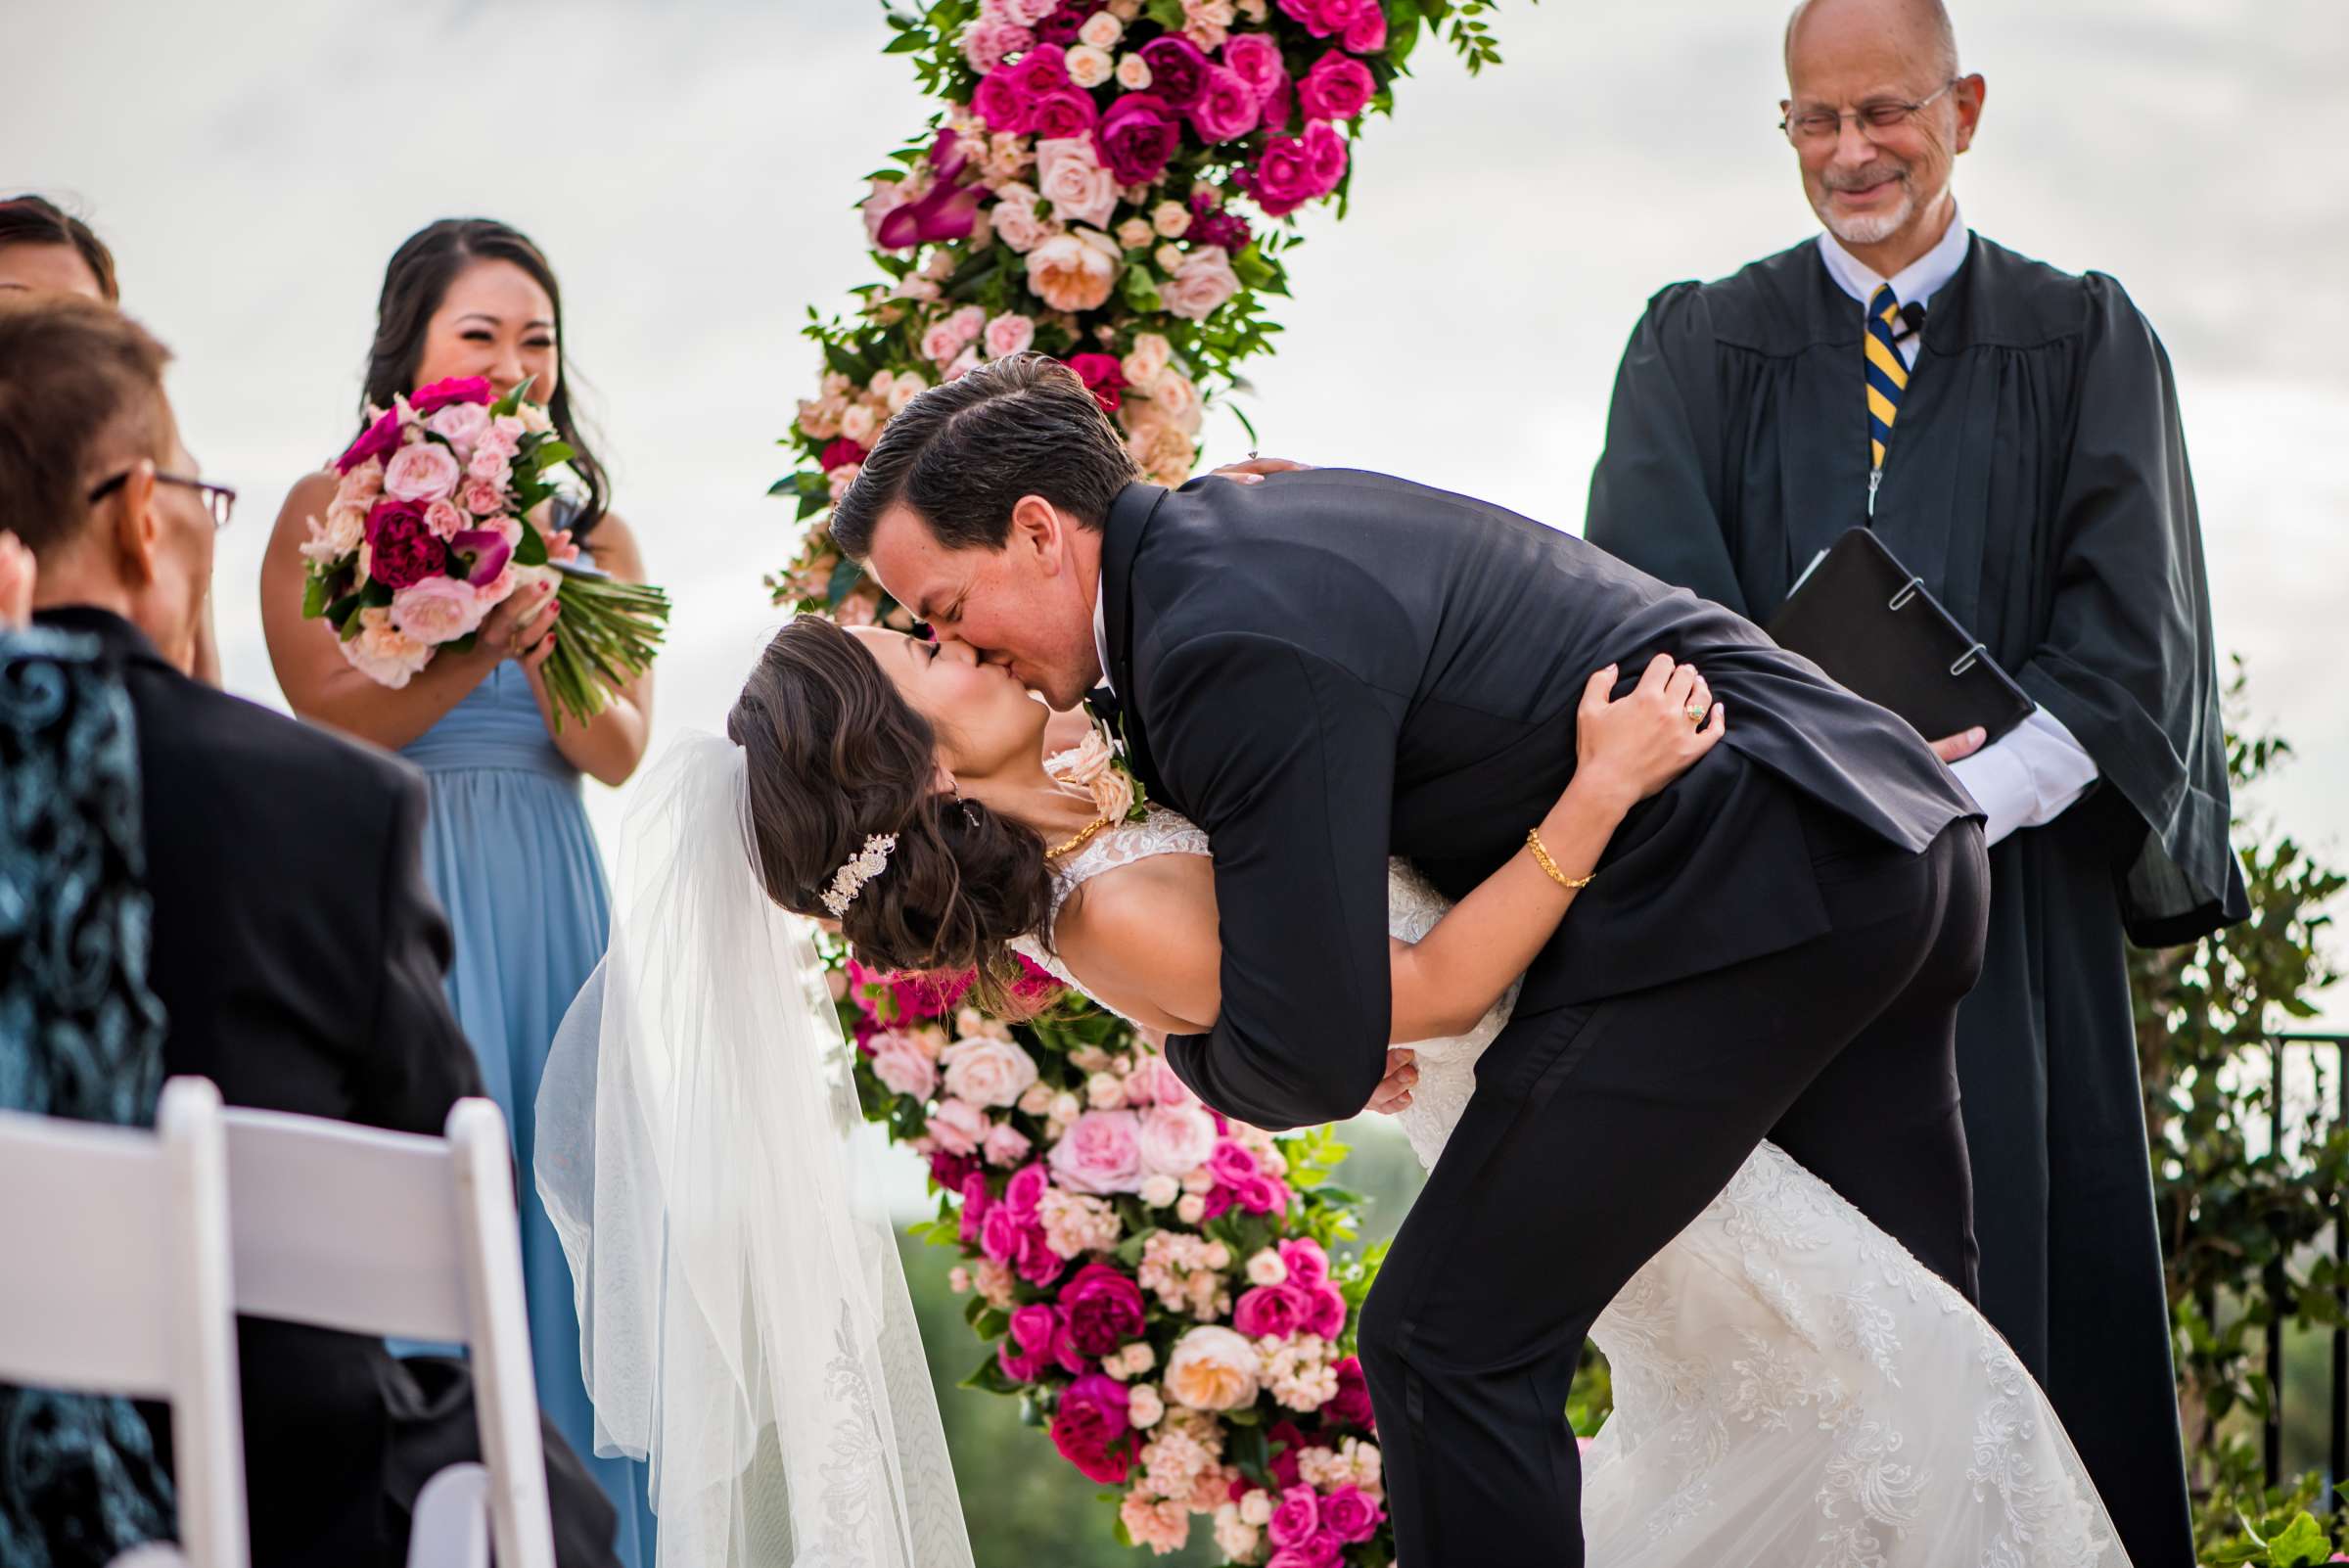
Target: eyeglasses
[(219, 499), (1814, 127)]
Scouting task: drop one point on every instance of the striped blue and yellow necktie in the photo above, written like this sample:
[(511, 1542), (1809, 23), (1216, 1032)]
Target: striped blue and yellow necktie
[(1887, 377)]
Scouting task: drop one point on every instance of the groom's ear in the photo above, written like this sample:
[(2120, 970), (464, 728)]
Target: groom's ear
[(1039, 533)]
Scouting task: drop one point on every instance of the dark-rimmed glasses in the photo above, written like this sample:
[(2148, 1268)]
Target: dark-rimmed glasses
[(219, 499), (1816, 127)]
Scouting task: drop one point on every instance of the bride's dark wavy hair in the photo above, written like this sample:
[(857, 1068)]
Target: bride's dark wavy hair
[(834, 754), (417, 280)]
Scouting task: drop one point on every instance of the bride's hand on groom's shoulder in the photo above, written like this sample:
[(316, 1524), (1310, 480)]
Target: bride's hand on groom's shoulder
[(1630, 746), (1254, 469)]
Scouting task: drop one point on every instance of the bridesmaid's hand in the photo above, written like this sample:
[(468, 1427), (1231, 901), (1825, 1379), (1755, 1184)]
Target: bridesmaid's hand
[(17, 577), (515, 628)]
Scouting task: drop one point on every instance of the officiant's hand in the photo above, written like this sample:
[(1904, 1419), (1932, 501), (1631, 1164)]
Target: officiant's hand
[(1394, 1091), (1253, 468), (1950, 747)]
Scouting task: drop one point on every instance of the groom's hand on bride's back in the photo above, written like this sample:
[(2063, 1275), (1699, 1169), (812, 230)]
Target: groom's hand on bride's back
[(1254, 469)]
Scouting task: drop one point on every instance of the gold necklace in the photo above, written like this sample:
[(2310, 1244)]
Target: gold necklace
[(1083, 838)]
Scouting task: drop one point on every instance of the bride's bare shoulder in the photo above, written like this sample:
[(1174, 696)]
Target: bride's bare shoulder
[(1143, 938)]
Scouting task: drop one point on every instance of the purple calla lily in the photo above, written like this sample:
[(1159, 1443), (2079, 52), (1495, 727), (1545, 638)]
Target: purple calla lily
[(482, 553)]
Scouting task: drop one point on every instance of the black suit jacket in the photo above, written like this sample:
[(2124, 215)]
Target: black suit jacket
[(1333, 666), (298, 955)]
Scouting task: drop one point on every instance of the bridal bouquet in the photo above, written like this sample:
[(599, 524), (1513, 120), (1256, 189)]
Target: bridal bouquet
[(1108, 181), (1157, 1281), (432, 527)]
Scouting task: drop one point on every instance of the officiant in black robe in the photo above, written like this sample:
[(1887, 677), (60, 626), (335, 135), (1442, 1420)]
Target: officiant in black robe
[(2023, 454)]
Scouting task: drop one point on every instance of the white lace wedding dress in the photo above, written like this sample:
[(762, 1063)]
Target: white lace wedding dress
[(1791, 1387)]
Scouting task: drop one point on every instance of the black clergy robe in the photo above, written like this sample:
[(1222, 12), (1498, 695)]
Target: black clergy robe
[(2037, 480)]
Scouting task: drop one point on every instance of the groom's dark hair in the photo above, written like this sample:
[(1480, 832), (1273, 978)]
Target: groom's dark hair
[(963, 453)]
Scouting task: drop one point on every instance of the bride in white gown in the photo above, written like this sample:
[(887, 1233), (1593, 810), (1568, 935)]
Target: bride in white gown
[(1791, 1387)]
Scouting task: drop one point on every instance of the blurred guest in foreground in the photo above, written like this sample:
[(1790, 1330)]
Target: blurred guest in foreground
[(2011, 433), (296, 951)]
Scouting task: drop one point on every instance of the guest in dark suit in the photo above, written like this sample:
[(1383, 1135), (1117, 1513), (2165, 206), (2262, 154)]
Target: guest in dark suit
[(296, 952), (1330, 667)]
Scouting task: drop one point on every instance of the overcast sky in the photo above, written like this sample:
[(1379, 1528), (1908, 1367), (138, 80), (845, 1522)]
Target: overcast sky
[(690, 168)]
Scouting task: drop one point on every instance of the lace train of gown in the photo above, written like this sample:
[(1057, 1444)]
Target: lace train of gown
[(1791, 1387)]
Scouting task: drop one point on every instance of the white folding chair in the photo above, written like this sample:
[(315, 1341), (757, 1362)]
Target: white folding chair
[(116, 1282), (374, 1232)]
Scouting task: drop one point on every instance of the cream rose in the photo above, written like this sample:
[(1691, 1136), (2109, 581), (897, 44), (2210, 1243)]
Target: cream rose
[(383, 653), (438, 610), (340, 534), (908, 386), (1070, 177), (1134, 233), (1172, 220), (1102, 30), (1089, 67), (860, 424), (987, 1072), (1073, 272), (1134, 73), (1213, 1369), (1147, 359)]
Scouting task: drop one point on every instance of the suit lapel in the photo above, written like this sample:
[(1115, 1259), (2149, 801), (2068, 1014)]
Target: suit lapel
[(1122, 537)]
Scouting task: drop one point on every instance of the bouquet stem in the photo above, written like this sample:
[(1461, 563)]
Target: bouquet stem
[(607, 636)]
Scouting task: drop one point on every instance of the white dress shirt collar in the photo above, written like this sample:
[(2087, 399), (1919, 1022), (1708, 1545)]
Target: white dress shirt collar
[(1917, 283), (1101, 632)]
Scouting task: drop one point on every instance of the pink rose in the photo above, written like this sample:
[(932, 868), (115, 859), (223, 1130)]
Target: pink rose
[(958, 1126), (1024, 1191), (1092, 1430), (1005, 1145), (1254, 58), (1295, 1520), (1100, 1153), (1174, 1140), (1275, 1309), (483, 498), (940, 343), (1351, 1514), (1071, 177), (1338, 87), (905, 1067), (1325, 156), (1306, 1264), (1105, 380), (1003, 1236), (424, 472), (976, 1207), (459, 424), (1008, 334), (988, 44), (1261, 1194), (1201, 285), (502, 436), (1324, 1313), (437, 610), (1226, 105), (443, 516), (1040, 70), (1162, 1085), (487, 465), (1015, 221), (1231, 1163), (454, 389), (1283, 178)]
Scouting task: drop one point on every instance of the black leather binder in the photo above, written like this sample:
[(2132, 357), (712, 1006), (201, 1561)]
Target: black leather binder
[(1869, 623)]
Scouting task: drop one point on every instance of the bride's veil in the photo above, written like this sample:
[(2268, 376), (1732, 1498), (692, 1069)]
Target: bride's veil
[(743, 1324)]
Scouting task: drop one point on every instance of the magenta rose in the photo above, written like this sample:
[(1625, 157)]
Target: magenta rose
[(1039, 71), (841, 452), (1275, 1309), (1064, 112), (1102, 376), (1025, 1190), (1001, 104), (950, 1169), (1351, 1405), (1306, 1264), (1280, 106), (1225, 106), (1308, 12), (1295, 1520), (1325, 1313), (1261, 1194), (1325, 153), (1321, 1551), (401, 549), (1018, 1365), (1092, 1430), (454, 389), (1104, 1307), (1283, 179), (1231, 1163), (379, 440), (1039, 1264), (1136, 137), (1177, 69), (1254, 58), (1064, 24), (1026, 1351), (1366, 33), (1338, 87), (1003, 1235), (479, 555), (1351, 1514), (1100, 1154)]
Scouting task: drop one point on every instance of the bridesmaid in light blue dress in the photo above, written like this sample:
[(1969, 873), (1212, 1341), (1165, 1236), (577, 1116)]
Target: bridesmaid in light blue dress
[(507, 843)]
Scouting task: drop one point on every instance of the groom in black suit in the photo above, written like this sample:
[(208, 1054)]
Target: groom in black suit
[(297, 950), (1331, 667)]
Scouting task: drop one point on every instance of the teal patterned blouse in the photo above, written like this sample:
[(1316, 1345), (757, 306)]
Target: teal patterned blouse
[(83, 1037)]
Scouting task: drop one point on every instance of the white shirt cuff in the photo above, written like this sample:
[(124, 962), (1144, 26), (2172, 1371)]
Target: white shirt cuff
[(2029, 776)]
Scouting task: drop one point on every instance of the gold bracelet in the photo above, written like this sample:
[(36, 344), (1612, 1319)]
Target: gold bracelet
[(1533, 842)]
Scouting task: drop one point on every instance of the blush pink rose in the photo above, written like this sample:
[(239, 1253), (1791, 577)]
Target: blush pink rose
[(1008, 334), (1070, 177), (1176, 1139), (483, 498), (905, 1067), (424, 472), (1162, 1085), (437, 610), (987, 1072), (958, 1126), (488, 466), (1201, 285), (459, 424), (1015, 221), (940, 344), (443, 516), (1100, 1153), (1005, 1145)]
